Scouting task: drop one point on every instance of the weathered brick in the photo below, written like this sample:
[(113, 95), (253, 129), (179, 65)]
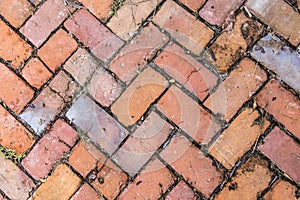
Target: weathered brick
[(14, 92), (233, 42), (60, 185), (279, 16), (181, 191), (215, 12), (238, 138), (282, 189), (282, 104), (97, 124), (43, 155), (101, 9), (150, 184), (238, 87), (137, 53), (183, 27), (14, 183), (57, 49), (186, 70), (192, 164), (93, 34), (251, 179), (86, 192), (188, 115), (36, 73), (64, 132), (47, 18), (15, 12), (144, 90), (135, 12), (283, 151), (13, 48), (193, 4)]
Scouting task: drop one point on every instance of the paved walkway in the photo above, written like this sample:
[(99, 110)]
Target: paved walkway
[(150, 99)]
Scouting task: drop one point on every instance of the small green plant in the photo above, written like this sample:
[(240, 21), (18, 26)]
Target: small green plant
[(11, 154), (116, 5), (83, 136)]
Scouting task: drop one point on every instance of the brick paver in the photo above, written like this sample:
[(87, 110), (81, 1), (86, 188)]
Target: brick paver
[(282, 189), (86, 192), (181, 191)]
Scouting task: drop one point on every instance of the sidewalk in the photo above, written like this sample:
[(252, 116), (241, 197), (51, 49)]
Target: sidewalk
[(150, 99)]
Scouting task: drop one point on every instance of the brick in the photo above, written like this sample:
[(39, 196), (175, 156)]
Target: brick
[(14, 92), (60, 185), (43, 155), (188, 115), (64, 132), (215, 12), (274, 54), (150, 184), (102, 42), (282, 104), (138, 53), (193, 4), (81, 65), (36, 73), (49, 16), (57, 49), (237, 88), (186, 70), (36, 2), (250, 180), (183, 27), (192, 164), (282, 189), (238, 138), (110, 180), (104, 87), (134, 102), (86, 192), (15, 12), (143, 143), (283, 151), (101, 9), (97, 124), (42, 110), (135, 12), (181, 191), (279, 16), (14, 183), (232, 43), (14, 49)]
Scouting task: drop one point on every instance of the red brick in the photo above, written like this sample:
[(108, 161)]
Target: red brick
[(233, 42), (279, 16), (110, 180), (15, 12), (13, 48), (186, 70), (193, 4), (238, 87), (181, 191), (135, 12), (57, 49), (282, 189), (101, 9), (144, 90), (188, 115), (86, 192), (281, 103), (137, 53), (14, 92), (104, 87), (192, 164), (14, 183), (283, 151), (215, 12), (81, 65), (36, 73), (150, 184), (250, 180), (238, 138), (43, 155), (183, 27), (64, 132), (93, 34), (60, 185), (47, 18)]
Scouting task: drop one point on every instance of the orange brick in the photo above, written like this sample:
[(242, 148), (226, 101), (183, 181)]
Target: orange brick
[(86, 192), (282, 189), (193, 4), (101, 9), (58, 48)]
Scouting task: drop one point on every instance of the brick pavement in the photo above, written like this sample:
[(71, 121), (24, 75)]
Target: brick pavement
[(154, 99)]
